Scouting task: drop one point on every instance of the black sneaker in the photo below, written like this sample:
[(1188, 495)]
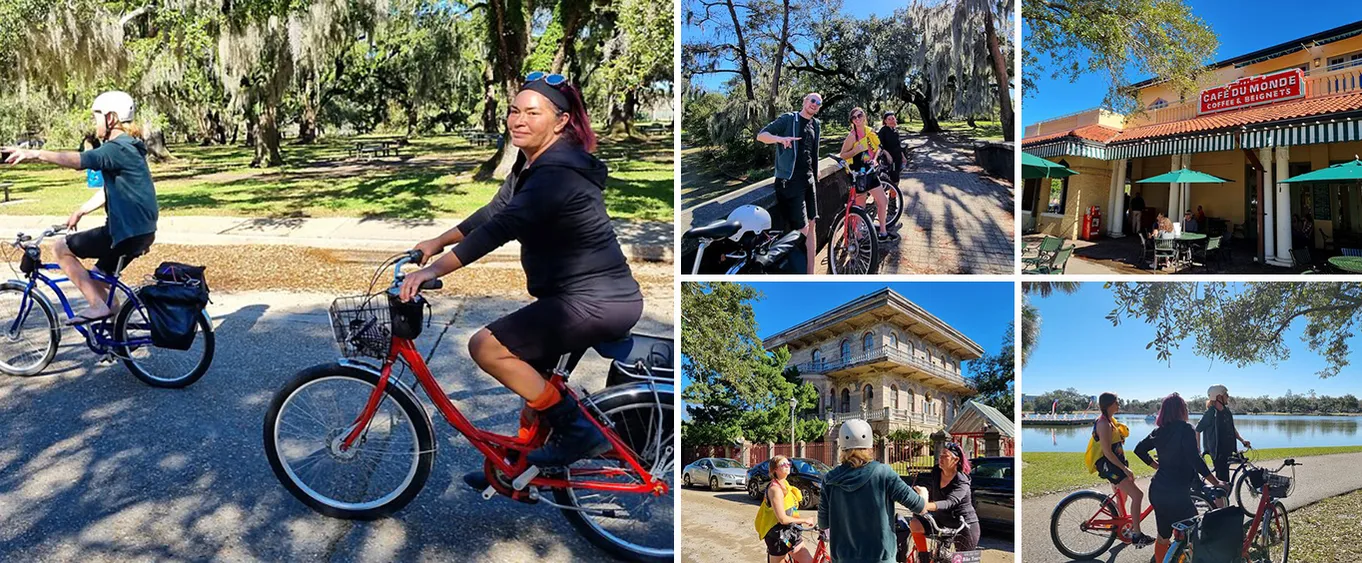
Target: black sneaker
[(1141, 540), (888, 236), (573, 438)]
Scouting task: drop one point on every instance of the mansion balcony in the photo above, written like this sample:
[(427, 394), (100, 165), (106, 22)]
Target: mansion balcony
[(887, 360)]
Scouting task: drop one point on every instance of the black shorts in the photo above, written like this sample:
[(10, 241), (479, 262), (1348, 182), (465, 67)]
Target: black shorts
[(542, 331), (1222, 468), (98, 243), (795, 201), (774, 546), (1110, 471), (1171, 505)]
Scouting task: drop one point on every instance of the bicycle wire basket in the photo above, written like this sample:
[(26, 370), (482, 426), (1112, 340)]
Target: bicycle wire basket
[(1278, 485), (362, 325)]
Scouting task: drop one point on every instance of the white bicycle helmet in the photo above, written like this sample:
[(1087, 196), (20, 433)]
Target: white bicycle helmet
[(753, 218), (855, 434), (116, 102), (1216, 391)]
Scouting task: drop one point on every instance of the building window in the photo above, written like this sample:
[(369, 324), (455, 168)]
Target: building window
[(894, 340), (1058, 193), (867, 395), (832, 402), (846, 349), (894, 392), (846, 400), (817, 359), (912, 401), (867, 342), (927, 404), (1159, 104)]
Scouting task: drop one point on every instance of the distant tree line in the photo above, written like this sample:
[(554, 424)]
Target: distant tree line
[(1070, 400)]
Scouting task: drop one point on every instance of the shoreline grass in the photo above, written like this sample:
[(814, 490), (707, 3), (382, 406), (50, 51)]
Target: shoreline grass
[(1055, 472)]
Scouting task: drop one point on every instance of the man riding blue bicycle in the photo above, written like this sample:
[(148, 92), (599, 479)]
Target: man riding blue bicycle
[(128, 195)]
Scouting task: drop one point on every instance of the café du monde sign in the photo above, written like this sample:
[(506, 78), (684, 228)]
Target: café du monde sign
[(1254, 91)]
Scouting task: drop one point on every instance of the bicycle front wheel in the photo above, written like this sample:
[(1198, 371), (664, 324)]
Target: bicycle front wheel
[(378, 474), (1272, 539), (162, 367), (1244, 494), (853, 246), (29, 333), (631, 526), (1072, 530)]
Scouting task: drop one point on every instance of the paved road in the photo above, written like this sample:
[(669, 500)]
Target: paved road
[(1321, 477), (95, 466), (717, 526)]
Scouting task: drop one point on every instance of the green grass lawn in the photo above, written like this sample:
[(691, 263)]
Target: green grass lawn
[(1053, 472), (433, 178), (983, 130)]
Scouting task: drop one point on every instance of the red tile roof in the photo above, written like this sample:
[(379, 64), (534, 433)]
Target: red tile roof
[(1249, 116)]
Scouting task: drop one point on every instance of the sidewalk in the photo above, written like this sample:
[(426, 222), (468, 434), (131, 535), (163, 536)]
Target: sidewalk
[(640, 240)]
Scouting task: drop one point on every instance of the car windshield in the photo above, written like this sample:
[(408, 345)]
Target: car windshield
[(808, 466), (727, 464)]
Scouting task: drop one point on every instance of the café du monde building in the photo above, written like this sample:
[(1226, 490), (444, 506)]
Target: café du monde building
[(1278, 112)]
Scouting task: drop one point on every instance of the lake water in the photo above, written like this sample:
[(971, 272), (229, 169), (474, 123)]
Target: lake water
[(1264, 431)]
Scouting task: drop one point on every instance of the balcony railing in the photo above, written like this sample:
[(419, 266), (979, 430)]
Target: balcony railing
[(889, 414), (882, 354), (1319, 82)]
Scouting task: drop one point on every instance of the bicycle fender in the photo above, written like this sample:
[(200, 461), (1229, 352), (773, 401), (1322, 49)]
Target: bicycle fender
[(632, 390), (400, 387), (856, 208)]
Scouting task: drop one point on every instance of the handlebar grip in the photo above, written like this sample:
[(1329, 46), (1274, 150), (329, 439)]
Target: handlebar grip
[(433, 284), (415, 254)]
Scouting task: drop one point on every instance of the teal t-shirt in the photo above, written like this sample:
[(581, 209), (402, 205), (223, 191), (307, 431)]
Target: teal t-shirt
[(129, 196)]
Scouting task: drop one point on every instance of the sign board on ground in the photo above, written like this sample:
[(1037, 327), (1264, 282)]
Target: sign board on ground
[(1252, 91)]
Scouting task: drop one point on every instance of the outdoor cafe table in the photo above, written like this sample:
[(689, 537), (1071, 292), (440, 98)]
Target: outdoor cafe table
[(1350, 264), (1186, 241)]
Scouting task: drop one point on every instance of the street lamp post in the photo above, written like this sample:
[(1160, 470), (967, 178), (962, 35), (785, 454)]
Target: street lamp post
[(793, 403)]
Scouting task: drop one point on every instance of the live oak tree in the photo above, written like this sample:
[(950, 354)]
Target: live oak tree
[(1030, 321), (1155, 38), (1243, 324), (993, 376)]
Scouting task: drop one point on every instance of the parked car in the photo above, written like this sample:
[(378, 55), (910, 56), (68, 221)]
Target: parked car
[(717, 472), (806, 474), (991, 482)]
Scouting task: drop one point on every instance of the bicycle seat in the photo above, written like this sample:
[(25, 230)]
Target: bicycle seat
[(715, 230)]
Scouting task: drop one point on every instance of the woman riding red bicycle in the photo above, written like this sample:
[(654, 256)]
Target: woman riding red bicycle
[(552, 203), (1110, 462)]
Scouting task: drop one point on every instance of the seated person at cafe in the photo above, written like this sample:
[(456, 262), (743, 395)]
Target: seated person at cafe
[(1189, 223), (1200, 216), (1163, 227)]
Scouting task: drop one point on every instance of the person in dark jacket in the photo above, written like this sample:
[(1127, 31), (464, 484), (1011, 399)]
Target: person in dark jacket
[(128, 196), (1219, 437), (947, 490), (796, 136), (585, 294), (1178, 467), (857, 506), (892, 145)]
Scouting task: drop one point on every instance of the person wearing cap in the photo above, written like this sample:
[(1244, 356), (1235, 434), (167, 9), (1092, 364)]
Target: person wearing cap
[(128, 196), (947, 488), (893, 145), (1217, 433), (796, 136), (857, 506)]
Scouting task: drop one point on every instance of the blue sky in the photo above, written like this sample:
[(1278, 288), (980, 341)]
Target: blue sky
[(1243, 26), (979, 310), (854, 8), (1079, 348)]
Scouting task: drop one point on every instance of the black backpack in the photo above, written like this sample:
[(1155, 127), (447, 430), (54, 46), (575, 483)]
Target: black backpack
[(174, 304), (1220, 539)]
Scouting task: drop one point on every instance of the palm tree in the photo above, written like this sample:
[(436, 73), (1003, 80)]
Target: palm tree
[(1030, 322)]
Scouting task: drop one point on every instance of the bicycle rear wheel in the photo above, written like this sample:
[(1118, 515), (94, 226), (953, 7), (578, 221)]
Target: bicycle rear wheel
[(162, 367), (379, 474), (636, 527), (853, 245), (29, 333), (1069, 528), (893, 201), (1272, 539)]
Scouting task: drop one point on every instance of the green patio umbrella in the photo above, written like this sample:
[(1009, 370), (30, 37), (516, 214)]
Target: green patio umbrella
[(1037, 167), (1336, 174), (1183, 176)]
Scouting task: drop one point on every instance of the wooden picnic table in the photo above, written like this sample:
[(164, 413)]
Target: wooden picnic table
[(1350, 264), (377, 147)]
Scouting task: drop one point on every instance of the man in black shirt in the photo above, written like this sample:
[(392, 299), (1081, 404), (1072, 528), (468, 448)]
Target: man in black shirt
[(892, 145), (796, 135), (1136, 212)]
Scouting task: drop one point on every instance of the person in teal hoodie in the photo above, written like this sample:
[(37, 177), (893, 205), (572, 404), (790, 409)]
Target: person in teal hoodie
[(857, 506)]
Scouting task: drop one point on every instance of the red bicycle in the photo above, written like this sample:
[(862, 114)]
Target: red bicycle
[(1085, 524), (1267, 537), (350, 439)]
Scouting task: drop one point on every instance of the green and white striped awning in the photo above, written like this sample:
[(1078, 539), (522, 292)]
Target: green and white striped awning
[(1068, 148), (1185, 145), (1340, 131)]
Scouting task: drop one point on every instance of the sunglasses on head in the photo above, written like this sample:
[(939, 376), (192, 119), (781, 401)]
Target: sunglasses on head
[(551, 79)]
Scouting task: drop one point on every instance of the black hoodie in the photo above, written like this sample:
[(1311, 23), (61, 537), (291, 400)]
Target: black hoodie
[(555, 208)]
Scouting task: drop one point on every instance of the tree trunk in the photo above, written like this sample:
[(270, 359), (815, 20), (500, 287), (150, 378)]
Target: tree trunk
[(490, 116), (267, 141), (412, 110), (508, 35), (743, 67), (571, 15), (156, 144), (622, 115), (1000, 72), (970, 121), (307, 122), (779, 62)]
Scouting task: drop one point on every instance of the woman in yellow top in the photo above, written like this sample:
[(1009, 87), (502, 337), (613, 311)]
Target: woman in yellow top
[(1111, 463), (861, 147), (778, 515)]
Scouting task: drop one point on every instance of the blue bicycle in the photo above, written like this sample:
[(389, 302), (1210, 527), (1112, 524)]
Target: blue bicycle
[(30, 333)]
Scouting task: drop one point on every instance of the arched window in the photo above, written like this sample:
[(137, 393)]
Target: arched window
[(817, 359), (867, 396), (894, 392), (927, 404), (846, 401), (846, 349), (912, 401), (832, 402), (894, 340), (867, 342)]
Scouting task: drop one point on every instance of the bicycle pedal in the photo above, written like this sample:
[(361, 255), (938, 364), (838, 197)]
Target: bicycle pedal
[(523, 480), (488, 493), (107, 359)]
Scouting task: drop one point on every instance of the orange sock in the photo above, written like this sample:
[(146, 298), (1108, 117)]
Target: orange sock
[(920, 542), (525, 422), (547, 398)]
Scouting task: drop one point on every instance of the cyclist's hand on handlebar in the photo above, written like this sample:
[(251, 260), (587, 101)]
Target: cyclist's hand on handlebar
[(1247, 444), (411, 285), (72, 221), (428, 248)]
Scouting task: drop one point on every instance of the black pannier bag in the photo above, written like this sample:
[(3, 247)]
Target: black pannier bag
[(174, 304), (1220, 539), (656, 353)]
